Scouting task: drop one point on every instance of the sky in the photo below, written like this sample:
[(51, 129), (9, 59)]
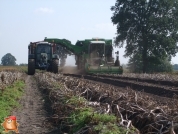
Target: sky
[(25, 21)]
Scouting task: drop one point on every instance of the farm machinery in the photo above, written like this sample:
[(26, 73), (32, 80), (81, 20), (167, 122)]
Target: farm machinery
[(45, 56), (91, 55)]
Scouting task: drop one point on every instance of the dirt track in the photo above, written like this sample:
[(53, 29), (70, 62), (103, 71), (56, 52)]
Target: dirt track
[(33, 111)]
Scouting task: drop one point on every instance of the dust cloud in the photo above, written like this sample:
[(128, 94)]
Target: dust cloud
[(69, 70), (70, 67)]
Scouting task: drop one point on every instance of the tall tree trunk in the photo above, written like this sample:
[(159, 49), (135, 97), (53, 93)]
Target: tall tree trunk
[(144, 54), (145, 61)]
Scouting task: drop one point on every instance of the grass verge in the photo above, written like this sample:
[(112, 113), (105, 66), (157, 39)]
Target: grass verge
[(9, 100)]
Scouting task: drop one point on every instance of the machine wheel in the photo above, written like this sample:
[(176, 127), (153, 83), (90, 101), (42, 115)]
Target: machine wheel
[(55, 66), (31, 67), (50, 67), (79, 63)]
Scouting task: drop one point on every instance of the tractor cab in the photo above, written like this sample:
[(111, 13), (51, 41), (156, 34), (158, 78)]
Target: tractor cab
[(43, 53), (96, 52)]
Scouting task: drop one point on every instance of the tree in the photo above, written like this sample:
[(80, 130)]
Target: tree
[(175, 66), (8, 60), (135, 64), (148, 27), (155, 65), (23, 64)]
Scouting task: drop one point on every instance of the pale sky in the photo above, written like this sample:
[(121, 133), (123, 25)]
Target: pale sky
[(25, 21)]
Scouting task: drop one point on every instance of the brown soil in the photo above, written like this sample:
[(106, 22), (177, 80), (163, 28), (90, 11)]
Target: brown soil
[(170, 82), (33, 111), (152, 88)]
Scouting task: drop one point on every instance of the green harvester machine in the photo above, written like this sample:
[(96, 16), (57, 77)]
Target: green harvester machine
[(92, 55)]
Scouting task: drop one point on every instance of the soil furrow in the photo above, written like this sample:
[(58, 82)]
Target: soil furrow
[(152, 81), (156, 89)]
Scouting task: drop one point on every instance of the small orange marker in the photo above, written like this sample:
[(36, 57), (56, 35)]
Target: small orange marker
[(10, 124)]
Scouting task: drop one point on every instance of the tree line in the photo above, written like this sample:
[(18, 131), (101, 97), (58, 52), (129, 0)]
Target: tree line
[(149, 31), (10, 60)]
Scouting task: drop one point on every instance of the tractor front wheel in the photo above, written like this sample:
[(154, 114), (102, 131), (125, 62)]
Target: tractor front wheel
[(31, 67), (55, 66)]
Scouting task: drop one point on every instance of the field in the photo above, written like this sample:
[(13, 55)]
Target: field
[(13, 68), (90, 104)]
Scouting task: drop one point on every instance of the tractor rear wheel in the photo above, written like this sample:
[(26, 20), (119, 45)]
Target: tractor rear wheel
[(55, 66), (49, 69), (31, 67)]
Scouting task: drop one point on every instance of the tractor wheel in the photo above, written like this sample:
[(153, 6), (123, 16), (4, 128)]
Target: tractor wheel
[(50, 67), (55, 66), (31, 67)]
